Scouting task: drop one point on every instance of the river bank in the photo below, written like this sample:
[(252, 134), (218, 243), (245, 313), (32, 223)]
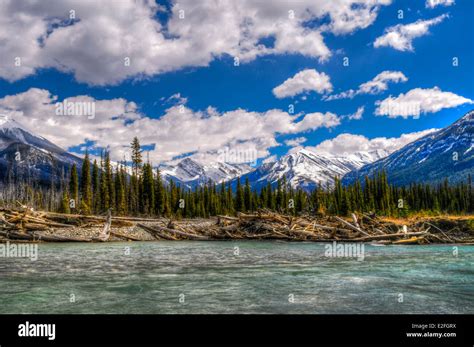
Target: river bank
[(26, 225)]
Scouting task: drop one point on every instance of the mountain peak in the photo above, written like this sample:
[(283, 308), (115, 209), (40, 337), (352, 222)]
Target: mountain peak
[(7, 122), (188, 163), (306, 152), (13, 132), (468, 117), (446, 153), (35, 151), (190, 172), (306, 169)]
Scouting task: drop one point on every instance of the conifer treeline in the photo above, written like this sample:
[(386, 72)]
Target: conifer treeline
[(141, 191)]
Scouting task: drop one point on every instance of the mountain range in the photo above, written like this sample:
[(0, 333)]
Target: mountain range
[(30, 155), (305, 169), (445, 153), (302, 169), (190, 173)]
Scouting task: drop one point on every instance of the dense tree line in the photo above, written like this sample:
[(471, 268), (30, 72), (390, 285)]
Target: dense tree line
[(138, 189)]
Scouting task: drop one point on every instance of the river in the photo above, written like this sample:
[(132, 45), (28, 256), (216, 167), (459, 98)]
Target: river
[(237, 277)]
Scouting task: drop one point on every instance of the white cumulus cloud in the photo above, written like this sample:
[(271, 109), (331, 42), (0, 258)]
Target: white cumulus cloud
[(179, 131), (358, 114), (346, 144), (401, 36), (434, 3), (377, 85), (304, 81), (296, 141), (103, 43), (417, 101), (380, 82)]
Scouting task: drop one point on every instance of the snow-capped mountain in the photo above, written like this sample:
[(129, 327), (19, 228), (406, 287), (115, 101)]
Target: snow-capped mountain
[(28, 154), (305, 169), (191, 173), (447, 153)]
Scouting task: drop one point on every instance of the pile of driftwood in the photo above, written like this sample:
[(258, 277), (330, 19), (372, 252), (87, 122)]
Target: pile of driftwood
[(27, 225), (269, 225)]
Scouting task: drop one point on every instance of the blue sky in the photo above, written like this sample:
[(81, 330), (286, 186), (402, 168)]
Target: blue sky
[(226, 88)]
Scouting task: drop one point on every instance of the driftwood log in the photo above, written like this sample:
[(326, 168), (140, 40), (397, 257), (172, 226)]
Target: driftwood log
[(26, 225), (161, 230)]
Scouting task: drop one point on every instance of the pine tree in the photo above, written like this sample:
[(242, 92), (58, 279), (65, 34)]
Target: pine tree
[(74, 186), (64, 208), (230, 200), (124, 182), (247, 195), (104, 187), (470, 194), (159, 194), (95, 187), (135, 179), (136, 156), (148, 190), (300, 202), (284, 189), (173, 197), (255, 201), (239, 197), (223, 207), (269, 197), (86, 185), (120, 193), (109, 179), (132, 195), (279, 197)]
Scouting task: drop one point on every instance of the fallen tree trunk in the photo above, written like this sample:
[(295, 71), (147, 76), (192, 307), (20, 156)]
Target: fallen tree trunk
[(411, 240), (389, 236), (58, 238), (351, 226), (34, 226), (176, 232), (38, 236), (105, 234), (156, 233), (16, 235), (123, 236), (67, 216)]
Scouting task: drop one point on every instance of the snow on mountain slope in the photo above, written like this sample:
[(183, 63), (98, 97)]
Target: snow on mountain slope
[(305, 169), (191, 173), (302, 169), (30, 154), (13, 132), (446, 153)]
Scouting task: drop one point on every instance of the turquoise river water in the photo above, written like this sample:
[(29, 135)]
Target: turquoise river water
[(237, 277)]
